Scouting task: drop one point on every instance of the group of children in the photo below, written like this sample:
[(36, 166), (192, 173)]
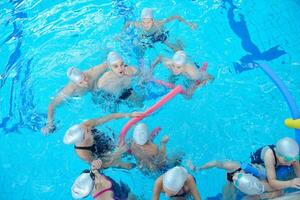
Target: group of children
[(113, 81)]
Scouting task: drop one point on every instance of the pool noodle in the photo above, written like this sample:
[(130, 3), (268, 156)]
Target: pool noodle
[(157, 105), (287, 96)]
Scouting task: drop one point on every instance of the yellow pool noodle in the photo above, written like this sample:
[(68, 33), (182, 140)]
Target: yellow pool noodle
[(292, 123)]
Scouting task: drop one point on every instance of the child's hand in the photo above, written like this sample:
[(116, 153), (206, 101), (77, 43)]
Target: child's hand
[(190, 165), (165, 139), (136, 114), (48, 129), (96, 164)]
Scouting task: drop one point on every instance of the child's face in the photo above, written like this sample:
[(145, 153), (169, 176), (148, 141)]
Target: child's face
[(177, 69), (169, 193), (147, 23), (285, 162), (118, 68)]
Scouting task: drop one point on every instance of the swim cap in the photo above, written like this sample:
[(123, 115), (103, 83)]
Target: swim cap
[(175, 178), (113, 57), (147, 13), (83, 185), (140, 134), (288, 148), (249, 184), (75, 75), (74, 135), (179, 58)]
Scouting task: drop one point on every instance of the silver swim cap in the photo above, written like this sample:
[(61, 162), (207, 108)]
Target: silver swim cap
[(179, 58), (82, 186), (147, 13), (141, 134), (248, 184), (288, 148), (175, 178), (75, 75), (74, 135), (113, 57)]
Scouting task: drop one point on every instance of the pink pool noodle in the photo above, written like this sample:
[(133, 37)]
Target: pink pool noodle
[(157, 105)]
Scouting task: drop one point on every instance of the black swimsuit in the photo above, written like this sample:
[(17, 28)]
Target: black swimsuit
[(231, 174), (256, 156)]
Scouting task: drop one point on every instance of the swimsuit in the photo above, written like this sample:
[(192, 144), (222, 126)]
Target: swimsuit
[(120, 191), (256, 156)]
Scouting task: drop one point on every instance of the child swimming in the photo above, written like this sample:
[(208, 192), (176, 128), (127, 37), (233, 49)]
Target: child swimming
[(177, 184), (115, 85), (179, 65), (92, 144), (149, 157), (243, 178), (80, 83), (100, 186), (152, 31)]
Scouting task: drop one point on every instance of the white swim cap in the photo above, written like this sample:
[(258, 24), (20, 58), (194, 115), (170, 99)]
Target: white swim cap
[(249, 184), (141, 134), (75, 75), (82, 186), (175, 178), (74, 135), (288, 148), (113, 57), (147, 13), (179, 58)]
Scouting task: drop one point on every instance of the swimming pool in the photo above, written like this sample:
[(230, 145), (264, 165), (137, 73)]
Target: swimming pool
[(229, 118)]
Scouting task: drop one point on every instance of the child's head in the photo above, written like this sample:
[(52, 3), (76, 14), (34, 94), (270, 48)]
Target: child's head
[(116, 63), (179, 60), (83, 185), (77, 77), (173, 180), (147, 18), (287, 151)]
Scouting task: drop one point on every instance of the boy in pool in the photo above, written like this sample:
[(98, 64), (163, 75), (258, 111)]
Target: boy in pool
[(92, 144), (179, 65), (115, 82), (177, 184), (115, 85), (147, 154), (249, 179), (152, 31), (80, 83)]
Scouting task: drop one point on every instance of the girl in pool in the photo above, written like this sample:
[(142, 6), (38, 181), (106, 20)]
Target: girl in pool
[(92, 144), (179, 65), (100, 186), (152, 31), (177, 184)]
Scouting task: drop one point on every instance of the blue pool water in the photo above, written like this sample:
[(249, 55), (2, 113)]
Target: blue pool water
[(229, 118)]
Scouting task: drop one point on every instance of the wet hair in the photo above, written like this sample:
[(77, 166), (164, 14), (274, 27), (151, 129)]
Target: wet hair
[(102, 142)]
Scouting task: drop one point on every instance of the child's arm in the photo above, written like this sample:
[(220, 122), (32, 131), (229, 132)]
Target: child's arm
[(227, 165), (163, 143), (65, 93), (96, 122), (180, 19), (157, 188), (160, 59), (97, 70), (271, 174), (193, 188), (296, 167), (126, 25)]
